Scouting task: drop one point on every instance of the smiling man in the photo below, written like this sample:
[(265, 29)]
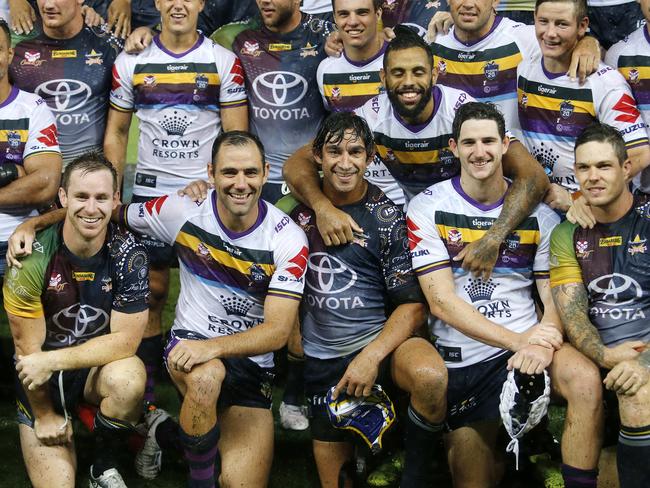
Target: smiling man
[(77, 309)]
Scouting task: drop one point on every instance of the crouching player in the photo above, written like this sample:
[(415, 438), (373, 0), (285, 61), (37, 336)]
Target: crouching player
[(350, 340), (77, 308), (486, 326)]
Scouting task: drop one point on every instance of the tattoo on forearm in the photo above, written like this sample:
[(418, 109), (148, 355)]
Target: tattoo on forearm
[(572, 304), (521, 199)]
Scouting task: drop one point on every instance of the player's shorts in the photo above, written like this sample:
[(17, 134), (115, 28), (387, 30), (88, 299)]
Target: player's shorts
[(611, 24), (74, 382), (246, 383), (161, 254), (319, 376), (473, 392), (272, 192), (3, 258)]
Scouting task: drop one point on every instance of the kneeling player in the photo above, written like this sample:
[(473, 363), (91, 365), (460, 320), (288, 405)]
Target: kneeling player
[(77, 309), (349, 339), (485, 327)]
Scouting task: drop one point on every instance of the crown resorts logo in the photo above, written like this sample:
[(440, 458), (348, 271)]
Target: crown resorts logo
[(235, 305), (477, 289), (175, 124)]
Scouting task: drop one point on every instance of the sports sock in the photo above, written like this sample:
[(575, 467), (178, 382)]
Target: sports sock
[(201, 453), (579, 478), (632, 455), (111, 437), (421, 437), (168, 435), (150, 352), (293, 391)]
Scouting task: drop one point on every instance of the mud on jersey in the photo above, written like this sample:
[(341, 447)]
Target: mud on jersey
[(613, 263), (553, 111), (351, 289), (225, 276), (76, 295), (285, 106), (441, 221), (178, 99), (74, 77)]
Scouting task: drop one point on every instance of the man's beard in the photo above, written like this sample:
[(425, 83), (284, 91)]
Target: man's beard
[(410, 112), (283, 17)]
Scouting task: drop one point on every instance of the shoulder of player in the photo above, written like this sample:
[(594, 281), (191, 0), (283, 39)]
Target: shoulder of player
[(219, 51), (606, 78), (434, 196), (452, 98), (383, 209), (29, 100), (545, 215), (630, 42), (565, 230), (123, 243), (375, 110), (282, 224), (46, 243)]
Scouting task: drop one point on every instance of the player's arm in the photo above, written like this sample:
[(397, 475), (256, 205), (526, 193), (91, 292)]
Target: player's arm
[(529, 184), (639, 157), (39, 185), (116, 139), (280, 314), (234, 118)]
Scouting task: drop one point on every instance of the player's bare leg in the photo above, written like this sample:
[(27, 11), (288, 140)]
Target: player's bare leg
[(470, 453), (330, 458), (47, 466), (633, 450)]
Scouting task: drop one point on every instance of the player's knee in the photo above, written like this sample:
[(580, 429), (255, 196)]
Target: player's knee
[(204, 381), (581, 384), (428, 383), (125, 379)]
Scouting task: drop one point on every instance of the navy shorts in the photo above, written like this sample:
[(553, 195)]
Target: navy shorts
[(74, 383), (246, 383), (272, 192), (611, 24), (473, 392), (3, 258), (161, 254)]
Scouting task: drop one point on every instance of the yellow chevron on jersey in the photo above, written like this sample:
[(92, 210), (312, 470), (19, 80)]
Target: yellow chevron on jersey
[(478, 67), (553, 104), (640, 72), (472, 235), (175, 78), (407, 157), (353, 89)]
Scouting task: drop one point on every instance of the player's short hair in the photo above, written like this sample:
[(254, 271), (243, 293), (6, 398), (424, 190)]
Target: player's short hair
[(237, 138), (4, 27), (377, 4), (598, 132), (89, 162), (477, 111), (579, 7), (406, 38), (333, 128)]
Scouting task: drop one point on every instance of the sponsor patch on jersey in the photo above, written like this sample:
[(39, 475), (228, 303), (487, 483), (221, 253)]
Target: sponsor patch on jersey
[(360, 239), (299, 263), (13, 138), (251, 49), (442, 67), (412, 228), (93, 57), (636, 246), (49, 136), (435, 4), (64, 53), (155, 205), (149, 80), (566, 109), (308, 50), (83, 276), (626, 106), (582, 250), (32, 58), (201, 81), (633, 76), (610, 241), (280, 46), (237, 72), (56, 283), (491, 70)]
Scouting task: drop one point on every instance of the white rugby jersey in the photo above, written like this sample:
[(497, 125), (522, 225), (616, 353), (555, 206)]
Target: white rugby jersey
[(487, 69), (441, 221), (553, 111), (416, 156), (27, 127), (316, 6), (346, 85), (225, 276), (178, 99)]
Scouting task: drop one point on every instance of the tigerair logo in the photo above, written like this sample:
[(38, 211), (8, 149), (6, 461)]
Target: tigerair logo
[(610, 241)]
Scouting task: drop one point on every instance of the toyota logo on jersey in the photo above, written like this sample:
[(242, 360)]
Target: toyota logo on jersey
[(64, 95), (280, 88)]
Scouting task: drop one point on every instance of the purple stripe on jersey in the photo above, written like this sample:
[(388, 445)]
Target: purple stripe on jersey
[(549, 75), (646, 33), (262, 210), (176, 94), (546, 122), (437, 96), (505, 82), (641, 91), (12, 96), (455, 181), (497, 21), (10, 154), (360, 64), (348, 104), (159, 43)]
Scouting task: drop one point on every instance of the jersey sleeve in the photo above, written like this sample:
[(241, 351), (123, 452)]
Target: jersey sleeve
[(319, 81), (563, 261), (232, 92), (161, 217), (290, 260), (122, 97), (547, 220), (131, 274), (428, 252), (526, 40), (612, 55), (43, 135)]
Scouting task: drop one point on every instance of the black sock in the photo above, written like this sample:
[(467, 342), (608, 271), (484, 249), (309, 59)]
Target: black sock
[(579, 478), (293, 391), (632, 456), (168, 435), (421, 439), (201, 454), (150, 352), (110, 438)]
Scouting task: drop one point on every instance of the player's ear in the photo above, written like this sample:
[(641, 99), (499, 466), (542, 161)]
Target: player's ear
[(63, 197), (453, 146), (382, 77)]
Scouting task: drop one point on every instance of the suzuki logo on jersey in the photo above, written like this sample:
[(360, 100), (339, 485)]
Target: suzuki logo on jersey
[(237, 72), (65, 96), (280, 89), (49, 136), (298, 263), (78, 323), (414, 239), (155, 204), (627, 106)]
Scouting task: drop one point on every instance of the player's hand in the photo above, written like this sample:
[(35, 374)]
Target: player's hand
[(531, 359), (543, 335), (34, 370), (440, 23), (389, 34), (585, 59), (359, 377), (334, 45), (558, 198), (187, 354), (91, 16), (580, 213), (622, 352), (627, 377), (138, 40), (48, 431), (19, 244), (119, 18), (21, 16), (335, 226), (479, 257), (197, 191)]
